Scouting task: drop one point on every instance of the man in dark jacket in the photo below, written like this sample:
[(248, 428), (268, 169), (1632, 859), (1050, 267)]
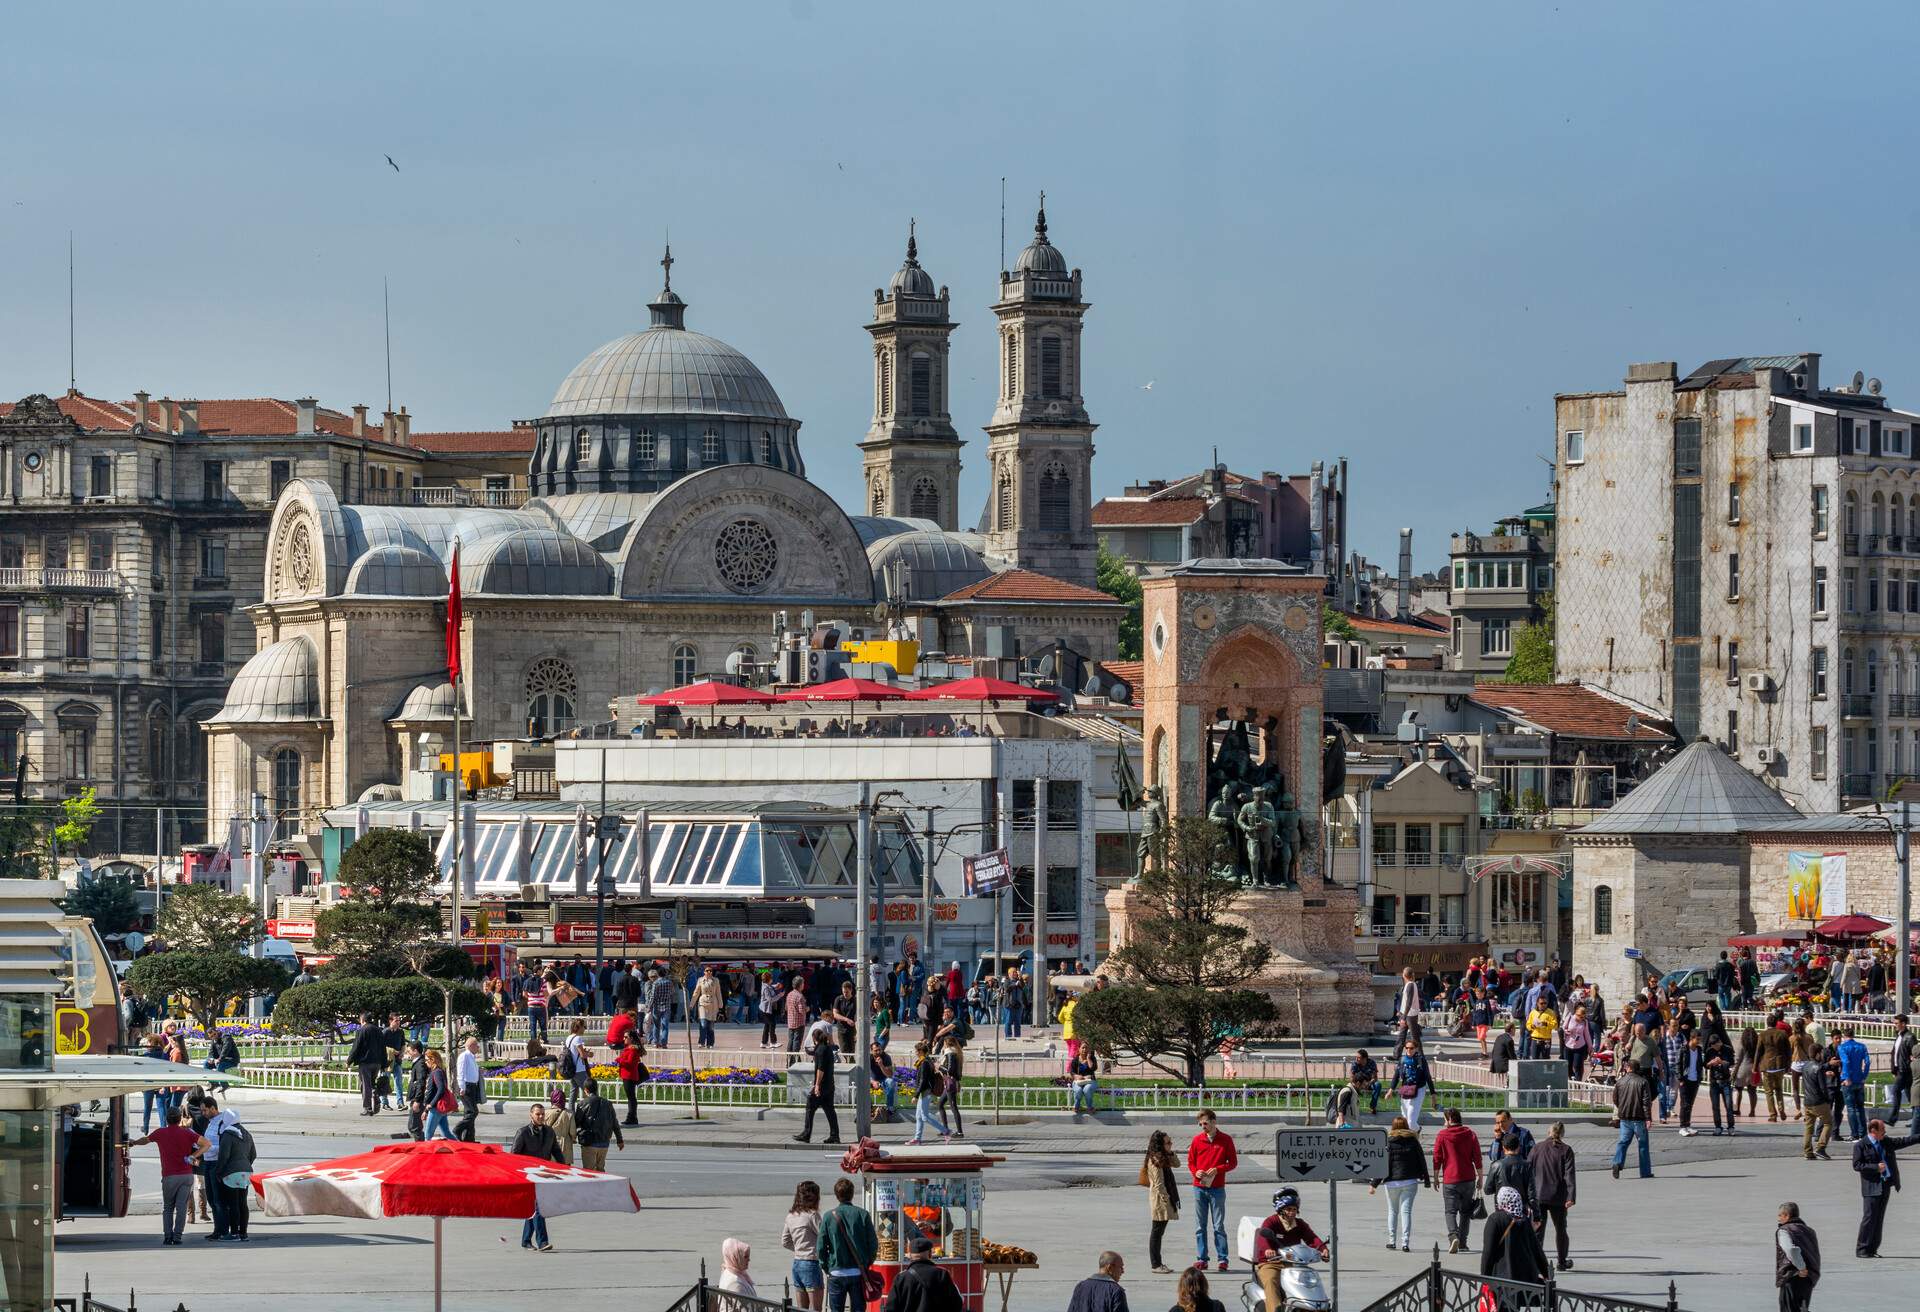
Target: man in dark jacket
[(595, 1126), (1510, 1171), (394, 1036), (1796, 1259), (416, 1091), (1501, 1055), (1819, 1075), (1101, 1291), (536, 1139), (1504, 1125), (1900, 1062), (236, 1158), (1874, 1160), (369, 1058), (925, 1285), (1554, 1176), (1633, 1107)]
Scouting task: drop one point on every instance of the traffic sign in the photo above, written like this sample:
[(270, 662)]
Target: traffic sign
[(1331, 1154), (1633, 954)]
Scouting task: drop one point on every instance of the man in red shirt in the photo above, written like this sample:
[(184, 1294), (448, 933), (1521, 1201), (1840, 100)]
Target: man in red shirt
[(1210, 1157), (1278, 1233), (175, 1141), (1456, 1160)]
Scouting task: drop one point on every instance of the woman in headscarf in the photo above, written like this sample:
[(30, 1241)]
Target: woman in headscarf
[(1509, 1248), (734, 1254)]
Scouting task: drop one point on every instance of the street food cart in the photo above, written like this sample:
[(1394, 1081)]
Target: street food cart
[(937, 1191)]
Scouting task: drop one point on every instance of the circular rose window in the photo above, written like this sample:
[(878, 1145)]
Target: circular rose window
[(745, 554), (300, 556), (32, 461)]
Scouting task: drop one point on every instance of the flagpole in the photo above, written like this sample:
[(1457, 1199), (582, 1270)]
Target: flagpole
[(453, 675)]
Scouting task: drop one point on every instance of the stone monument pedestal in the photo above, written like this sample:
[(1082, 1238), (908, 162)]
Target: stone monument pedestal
[(1311, 933)]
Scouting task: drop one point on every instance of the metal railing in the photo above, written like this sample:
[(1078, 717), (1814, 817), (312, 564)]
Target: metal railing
[(497, 498), (1439, 1290), (706, 1297), (19, 579), (1857, 704), (1856, 784), (86, 1302)]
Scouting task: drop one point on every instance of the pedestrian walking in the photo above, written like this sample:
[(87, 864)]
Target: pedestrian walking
[(928, 1087), (1406, 1173), (1775, 1064), (848, 1245), (952, 1068), (536, 1139), (1210, 1159), (800, 1235), (1632, 1109), (437, 1098), (1720, 1090), (708, 998), (1509, 1170), (631, 1062), (1412, 1079), (576, 1058), (660, 999), (1101, 1291), (1456, 1160), (394, 1038), (537, 998), (1501, 1056), (1163, 1194), (178, 1145), (368, 1057), (416, 1091), (1576, 1038), (1796, 1259), (1817, 1081), (595, 1127), (820, 1095), (769, 1008), (1555, 1181), (1876, 1161), (925, 1285), (1746, 1070), (1900, 1063), (1511, 1249), (1013, 1003), (1690, 1072), (1856, 1064), (466, 1078)]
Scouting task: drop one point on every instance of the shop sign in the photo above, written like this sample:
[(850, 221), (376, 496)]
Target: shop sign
[(754, 936), (909, 913), (579, 933), (290, 928), (510, 934), (1023, 937)]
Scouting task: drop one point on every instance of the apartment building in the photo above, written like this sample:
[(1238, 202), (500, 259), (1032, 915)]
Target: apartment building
[(1739, 549), (1500, 584)]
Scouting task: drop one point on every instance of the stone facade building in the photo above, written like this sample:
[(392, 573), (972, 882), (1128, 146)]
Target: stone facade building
[(1740, 550), (132, 537)]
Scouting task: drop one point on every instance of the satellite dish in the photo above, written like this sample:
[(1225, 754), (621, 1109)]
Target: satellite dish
[(1873, 385), (1859, 380), (1633, 724), (735, 659)]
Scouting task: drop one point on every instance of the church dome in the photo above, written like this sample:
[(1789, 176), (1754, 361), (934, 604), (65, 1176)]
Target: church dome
[(279, 683), (1041, 255), (666, 370), (911, 280), (931, 563), (536, 562)]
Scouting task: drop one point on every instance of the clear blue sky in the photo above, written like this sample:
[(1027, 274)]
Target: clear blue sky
[(1389, 232)]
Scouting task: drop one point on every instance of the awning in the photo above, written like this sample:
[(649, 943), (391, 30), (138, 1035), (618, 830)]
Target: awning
[(1777, 938), (83, 1077), (1855, 925)]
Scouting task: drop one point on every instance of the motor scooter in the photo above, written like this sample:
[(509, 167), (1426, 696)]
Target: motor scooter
[(1300, 1284)]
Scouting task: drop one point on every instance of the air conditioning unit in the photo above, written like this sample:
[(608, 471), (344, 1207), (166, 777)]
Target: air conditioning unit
[(1761, 684), (1766, 755)]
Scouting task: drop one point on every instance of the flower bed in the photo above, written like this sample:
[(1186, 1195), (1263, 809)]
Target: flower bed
[(544, 1072)]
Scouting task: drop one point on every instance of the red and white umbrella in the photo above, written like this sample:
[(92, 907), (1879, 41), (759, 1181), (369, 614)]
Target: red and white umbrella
[(441, 1178)]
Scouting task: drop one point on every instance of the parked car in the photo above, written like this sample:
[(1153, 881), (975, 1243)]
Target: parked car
[(1696, 982)]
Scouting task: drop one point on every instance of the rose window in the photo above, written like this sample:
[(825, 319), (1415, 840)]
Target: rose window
[(745, 554), (300, 556)]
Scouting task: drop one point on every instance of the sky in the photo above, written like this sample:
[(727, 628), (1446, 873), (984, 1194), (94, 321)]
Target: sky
[(1389, 232)]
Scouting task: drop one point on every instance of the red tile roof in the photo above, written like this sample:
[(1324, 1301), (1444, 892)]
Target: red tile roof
[(1372, 625), (1571, 710), (1117, 512), (245, 417), (1025, 585), (513, 441), (1132, 672)]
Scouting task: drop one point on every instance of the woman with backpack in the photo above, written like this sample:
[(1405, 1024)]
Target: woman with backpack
[(928, 1087), (437, 1096), (952, 1063), (576, 1063)]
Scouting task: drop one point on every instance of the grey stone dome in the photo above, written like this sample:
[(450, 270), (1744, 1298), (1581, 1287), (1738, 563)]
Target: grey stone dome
[(280, 683), (397, 571), (1040, 255), (540, 562), (666, 370), (428, 702), (935, 563)]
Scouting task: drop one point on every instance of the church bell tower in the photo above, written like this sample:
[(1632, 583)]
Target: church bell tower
[(1040, 442), (912, 451)]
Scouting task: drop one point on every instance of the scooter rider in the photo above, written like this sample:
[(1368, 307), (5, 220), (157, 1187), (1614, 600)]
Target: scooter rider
[(1278, 1233)]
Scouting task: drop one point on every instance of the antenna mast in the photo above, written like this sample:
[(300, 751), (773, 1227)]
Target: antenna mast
[(1003, 225), (71, 376), (386, 319)]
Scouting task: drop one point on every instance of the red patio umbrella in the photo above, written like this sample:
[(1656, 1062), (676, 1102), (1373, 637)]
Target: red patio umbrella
[(981, 689), (711, 694), (845, 690), (440, 1178), (1853, 925)]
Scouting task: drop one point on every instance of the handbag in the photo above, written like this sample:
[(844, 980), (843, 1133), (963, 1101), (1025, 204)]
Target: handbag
[(872, 1286), (1409, 1091), (1479, 1208)]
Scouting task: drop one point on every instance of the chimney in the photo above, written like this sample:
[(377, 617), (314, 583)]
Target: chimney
[(189, 416), (1813, 372), (1316, 501), (386, 425), (359, 421), (169, 415), (139, 407), (402, 436), (304, 411), (1403, 595)]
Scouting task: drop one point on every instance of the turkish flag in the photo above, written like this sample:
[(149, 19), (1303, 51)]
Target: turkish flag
[(453, 621)]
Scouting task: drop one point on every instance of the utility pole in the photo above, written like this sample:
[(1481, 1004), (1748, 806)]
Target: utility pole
[(257, 893), (600, 878), (862, 1004), (926, 887), (1902, 969), (1042, 1010)]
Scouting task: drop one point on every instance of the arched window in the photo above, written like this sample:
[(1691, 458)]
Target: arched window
[(1602, 911), (766, 447), (159, 745), (686, 664), (1850, 523), (1013, 365), (1056, 499), (1873, 671), (922, 385), (1895, 518), (925, 502), (1050, 365), (190, 756), (582, 444), (1878, 520), (645, 446), (13, 733), (286, 782), (710, 447), (886, 382), (1003, 513), (1846, 669), (551, 689), (77, 725)]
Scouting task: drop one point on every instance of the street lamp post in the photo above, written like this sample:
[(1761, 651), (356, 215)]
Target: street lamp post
[(862, 951), (1902, 970)]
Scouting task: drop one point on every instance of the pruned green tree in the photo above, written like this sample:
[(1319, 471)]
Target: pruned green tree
[(111, 902), (387, 911), (316, 1008), (203, 918), (1532, 658), (1112, 576), (205, 979), (79, 814), (1184, 962)]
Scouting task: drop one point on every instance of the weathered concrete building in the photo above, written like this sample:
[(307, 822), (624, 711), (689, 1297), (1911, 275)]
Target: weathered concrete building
[(1740, 549)]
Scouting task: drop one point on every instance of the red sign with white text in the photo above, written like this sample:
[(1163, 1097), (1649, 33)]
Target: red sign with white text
[(574, 933)]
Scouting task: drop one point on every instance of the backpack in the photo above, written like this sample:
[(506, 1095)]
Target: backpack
[(935, 1084)]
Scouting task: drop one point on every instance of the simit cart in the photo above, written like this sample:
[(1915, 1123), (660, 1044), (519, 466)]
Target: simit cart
[(938, 1191)]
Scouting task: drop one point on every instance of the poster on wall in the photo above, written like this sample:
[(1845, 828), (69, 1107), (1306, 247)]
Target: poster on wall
[(1816, 885)]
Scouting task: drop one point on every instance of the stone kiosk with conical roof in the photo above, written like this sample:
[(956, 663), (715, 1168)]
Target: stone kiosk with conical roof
[(1666, 872)]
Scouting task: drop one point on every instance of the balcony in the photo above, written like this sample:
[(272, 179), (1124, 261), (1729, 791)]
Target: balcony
[(1850, 544), (1896, 705), (492, 498), (1419, 859), (16, 579), (1857, 706), (1856, 785)]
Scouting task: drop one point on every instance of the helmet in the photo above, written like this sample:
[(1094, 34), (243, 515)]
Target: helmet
[(1286, 1198)]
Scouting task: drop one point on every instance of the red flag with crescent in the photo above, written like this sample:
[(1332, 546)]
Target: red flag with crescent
[(453, 617)]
